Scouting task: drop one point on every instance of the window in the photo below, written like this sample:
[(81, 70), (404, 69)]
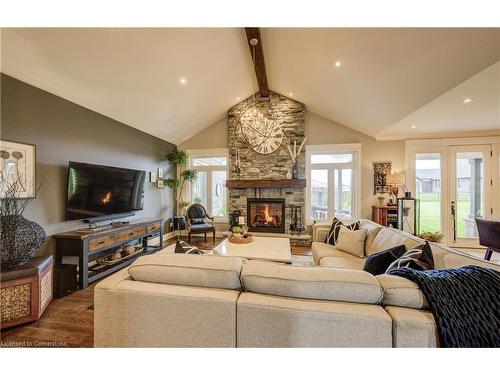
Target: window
[(332, 178), (428, 188), (209, 189)]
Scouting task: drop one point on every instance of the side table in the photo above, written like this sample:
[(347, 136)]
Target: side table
[(25, 291)]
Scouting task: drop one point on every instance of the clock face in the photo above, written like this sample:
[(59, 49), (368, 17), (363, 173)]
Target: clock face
[(260, 130)]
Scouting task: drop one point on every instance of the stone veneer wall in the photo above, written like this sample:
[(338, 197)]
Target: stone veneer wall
[(291, 115)]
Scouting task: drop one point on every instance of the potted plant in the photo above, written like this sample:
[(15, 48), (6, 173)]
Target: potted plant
[(431, 236), (179, 158)]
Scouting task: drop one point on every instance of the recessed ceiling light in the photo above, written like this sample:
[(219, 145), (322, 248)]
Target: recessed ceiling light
[(338, 63), (467, 100), (183, 80), (414, 126), (238, 98), (290, 94)]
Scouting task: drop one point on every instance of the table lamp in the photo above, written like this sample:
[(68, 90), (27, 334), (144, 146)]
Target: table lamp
[(394, 180)]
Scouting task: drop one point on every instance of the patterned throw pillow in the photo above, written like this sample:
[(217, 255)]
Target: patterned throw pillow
[(378, 263), (418, 258), (184, 247), (333, 235)]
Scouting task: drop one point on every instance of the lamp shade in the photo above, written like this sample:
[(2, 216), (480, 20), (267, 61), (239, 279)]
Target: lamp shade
[(395, 179)]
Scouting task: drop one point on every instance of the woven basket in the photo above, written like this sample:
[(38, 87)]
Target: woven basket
[(241, 240)]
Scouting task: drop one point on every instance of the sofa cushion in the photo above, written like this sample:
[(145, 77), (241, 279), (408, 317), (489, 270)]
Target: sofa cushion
[(378, 263), (402, 292), (186, 269), (310, 282), (270, 321), (373, 229), (387, 238), (352, 241), (321, 250)]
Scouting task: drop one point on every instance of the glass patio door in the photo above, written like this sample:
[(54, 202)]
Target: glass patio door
[(470, 187)]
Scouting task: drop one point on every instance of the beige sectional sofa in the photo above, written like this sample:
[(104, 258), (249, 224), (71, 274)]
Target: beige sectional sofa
[(178, 300)]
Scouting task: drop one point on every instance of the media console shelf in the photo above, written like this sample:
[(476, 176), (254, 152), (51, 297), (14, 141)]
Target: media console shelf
[(89, 247)]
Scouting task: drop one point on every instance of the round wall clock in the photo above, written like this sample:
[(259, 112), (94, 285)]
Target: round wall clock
[(262, 133)]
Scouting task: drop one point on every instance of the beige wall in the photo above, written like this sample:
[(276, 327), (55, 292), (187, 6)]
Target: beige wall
[(215, 136), (320, 130)]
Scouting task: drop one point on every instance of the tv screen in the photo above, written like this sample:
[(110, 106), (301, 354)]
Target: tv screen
[(97, 190)]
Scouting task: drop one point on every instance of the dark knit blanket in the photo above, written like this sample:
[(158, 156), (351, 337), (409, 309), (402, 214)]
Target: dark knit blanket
[(465, 303)]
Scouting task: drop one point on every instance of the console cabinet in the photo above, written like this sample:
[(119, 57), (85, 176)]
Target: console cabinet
[(90, 246), (385, 215)]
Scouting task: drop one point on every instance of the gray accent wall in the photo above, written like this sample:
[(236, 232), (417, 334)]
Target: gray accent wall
[(64, 131)]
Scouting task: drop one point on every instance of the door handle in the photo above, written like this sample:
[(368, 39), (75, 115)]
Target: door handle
[(454, 220)]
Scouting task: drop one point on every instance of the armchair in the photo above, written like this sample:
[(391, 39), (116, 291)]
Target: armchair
[(489, 236), (196, 218)]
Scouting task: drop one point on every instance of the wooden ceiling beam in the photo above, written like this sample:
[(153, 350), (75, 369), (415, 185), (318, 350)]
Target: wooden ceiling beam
[(260, 66)]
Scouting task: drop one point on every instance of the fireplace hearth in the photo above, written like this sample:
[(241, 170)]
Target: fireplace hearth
[(266, 215)]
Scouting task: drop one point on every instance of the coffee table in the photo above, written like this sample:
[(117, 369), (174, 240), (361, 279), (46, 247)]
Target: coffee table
[(264, 248)]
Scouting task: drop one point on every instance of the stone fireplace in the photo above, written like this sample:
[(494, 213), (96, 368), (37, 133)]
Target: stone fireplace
[(266, 215), (262, 178)]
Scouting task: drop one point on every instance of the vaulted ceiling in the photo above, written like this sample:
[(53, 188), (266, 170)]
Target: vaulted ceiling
[(173, 83)]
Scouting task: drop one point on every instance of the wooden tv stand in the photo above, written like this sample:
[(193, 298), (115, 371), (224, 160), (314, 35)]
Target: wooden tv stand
[(90, 246)]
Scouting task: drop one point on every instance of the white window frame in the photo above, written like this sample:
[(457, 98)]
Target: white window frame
[(208, 153), (444, 147), (355, 148)]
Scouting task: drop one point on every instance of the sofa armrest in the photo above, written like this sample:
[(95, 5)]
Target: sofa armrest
[(321, 250), (320, 231)]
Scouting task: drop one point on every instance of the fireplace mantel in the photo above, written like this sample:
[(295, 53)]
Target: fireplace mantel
[(265, 183)]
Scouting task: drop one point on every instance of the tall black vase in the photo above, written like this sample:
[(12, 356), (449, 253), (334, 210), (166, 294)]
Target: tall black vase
[(295, 172), (20, 238)]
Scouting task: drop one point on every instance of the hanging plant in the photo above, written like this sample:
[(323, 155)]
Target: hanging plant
[(178, 157)]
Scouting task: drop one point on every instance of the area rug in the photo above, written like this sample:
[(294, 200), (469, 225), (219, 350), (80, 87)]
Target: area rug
[(302, 260)]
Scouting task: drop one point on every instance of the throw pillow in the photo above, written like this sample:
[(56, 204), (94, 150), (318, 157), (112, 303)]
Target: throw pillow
[(333, 234), (418, 258), (197, 221), (184, 247), (378, 263), (352, 241)]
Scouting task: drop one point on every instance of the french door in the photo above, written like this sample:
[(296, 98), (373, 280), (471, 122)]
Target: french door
[(455, 183), (471, 192)]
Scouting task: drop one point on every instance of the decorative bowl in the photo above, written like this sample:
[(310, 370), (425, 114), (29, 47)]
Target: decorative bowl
[(241, 240)]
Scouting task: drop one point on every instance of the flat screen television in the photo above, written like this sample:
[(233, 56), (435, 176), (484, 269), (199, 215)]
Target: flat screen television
[(98, 191)]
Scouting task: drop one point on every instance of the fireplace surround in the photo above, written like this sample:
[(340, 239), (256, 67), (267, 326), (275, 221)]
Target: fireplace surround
[(266, 215), (264, 176)]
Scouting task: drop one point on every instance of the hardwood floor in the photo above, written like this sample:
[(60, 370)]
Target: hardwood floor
[(69, 321)]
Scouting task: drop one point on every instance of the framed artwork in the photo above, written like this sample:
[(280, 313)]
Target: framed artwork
[(380, 170), (152, 177), (161, 183), (17, 167), (160, 173)]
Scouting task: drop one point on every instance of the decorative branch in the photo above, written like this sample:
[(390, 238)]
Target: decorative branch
[(294, 154), (301, 145), (291, 153)]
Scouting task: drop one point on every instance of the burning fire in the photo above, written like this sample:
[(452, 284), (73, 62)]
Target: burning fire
[(107, 198), (269, 219)]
